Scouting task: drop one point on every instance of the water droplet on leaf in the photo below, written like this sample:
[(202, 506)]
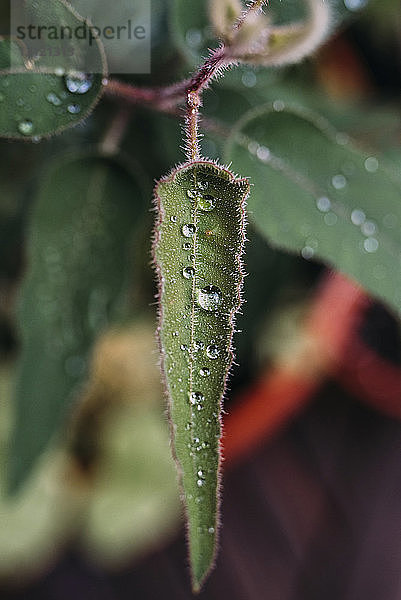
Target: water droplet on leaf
[(323, 204), (52, 98), (371, 244), (25, 127), (209, 297), (212, 351), (188, 230), (79, 83), (74, 109), (358, 217), (188, 272), (263, 153), (196, 398), (249, 79), (371, 164), (368, 228), (205, 372), (339, 182), (307, 252)]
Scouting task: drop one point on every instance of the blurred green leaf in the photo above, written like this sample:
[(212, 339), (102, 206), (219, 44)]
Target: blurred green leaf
[(44, 89), (135, 500), (82, 228), (190, 29), (316, 194)]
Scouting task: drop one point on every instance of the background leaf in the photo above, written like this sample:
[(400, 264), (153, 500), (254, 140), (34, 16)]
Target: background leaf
[(82, 228), (316, 194), (44, 94)]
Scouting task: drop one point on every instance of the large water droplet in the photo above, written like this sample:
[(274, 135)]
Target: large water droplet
[(188, 272), (79, 83), (196, 398), (207, 202), (209, 297), (186, 246), (211, 530), (213, 351), (188, 230), (173, 219), (25, 127)]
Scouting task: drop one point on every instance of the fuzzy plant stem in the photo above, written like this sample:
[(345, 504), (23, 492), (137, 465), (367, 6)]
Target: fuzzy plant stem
[(252, 7)]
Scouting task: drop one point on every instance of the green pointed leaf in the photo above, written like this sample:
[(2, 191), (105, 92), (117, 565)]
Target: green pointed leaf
[(198, 245), (44, 94), (81, 231), (316, 194)]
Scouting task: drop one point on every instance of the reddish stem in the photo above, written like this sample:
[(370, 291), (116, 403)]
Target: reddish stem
[(286, 389)]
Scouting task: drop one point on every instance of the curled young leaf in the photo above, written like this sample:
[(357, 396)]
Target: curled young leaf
[(198, 245), (260, 43), (223, 14)]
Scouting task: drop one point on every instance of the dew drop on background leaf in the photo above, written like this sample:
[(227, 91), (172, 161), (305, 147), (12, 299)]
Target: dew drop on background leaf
[(79, 83), (25, 127)]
